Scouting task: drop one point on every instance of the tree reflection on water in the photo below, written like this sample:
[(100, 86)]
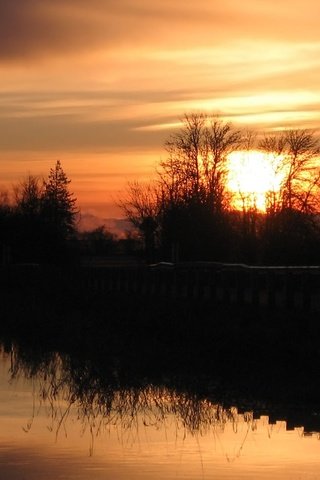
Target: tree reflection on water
[(99, 398)]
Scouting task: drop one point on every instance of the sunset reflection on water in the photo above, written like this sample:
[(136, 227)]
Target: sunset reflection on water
[(158, 443)]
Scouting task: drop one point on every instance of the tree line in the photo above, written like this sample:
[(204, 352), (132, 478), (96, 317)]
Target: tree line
[(189, 212), (39, 223)]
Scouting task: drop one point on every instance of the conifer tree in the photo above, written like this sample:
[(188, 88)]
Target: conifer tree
[(58, 203)]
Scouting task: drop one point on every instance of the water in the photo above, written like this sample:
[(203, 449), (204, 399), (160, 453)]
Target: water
[(60, 421)]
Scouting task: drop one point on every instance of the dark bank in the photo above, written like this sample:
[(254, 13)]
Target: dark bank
[(215, 345)]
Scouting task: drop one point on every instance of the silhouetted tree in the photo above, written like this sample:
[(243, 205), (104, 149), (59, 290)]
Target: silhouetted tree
[(181, 173), (292, 228), (58, 203), (43, 217), (6, 228), (28, 196), (59, 212), (40, 224), (221, 138), (97, 242), (187, 207), (29, 239), (142, 206), (296, 160), (195, 199)]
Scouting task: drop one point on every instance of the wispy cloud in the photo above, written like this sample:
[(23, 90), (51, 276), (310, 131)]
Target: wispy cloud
[(116, 75), (33, 28)]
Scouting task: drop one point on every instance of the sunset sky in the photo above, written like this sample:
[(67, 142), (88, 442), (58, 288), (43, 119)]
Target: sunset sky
[(100, 85)]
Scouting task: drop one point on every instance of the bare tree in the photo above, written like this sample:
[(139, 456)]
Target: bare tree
[(180, 173), (28, 194), (221, 138), (193, 179), (6, 230), (291, 227), (142, 207), (140, 203), (197, 166), (187, 204), (4, 199), (296, 161)]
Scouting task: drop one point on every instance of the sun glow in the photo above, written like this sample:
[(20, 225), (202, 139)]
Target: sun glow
[(251, 175)]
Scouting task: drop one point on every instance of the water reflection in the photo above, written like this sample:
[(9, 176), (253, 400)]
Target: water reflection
[(133, 431), (62, 385)]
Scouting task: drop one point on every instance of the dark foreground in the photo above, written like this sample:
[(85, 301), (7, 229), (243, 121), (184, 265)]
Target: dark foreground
[(252, 358)]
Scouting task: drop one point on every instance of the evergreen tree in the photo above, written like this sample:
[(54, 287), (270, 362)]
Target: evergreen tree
[(58, 203)]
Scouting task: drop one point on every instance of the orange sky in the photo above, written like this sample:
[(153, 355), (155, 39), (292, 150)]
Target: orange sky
[(101, 84)]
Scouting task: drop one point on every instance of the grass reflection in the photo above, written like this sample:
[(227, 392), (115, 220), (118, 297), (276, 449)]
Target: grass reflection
[(101, 397)]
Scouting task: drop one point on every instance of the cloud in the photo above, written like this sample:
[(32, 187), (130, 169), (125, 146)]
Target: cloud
[(65, 132), (86, 78), (37, 28), (31, 29), (147, 63)]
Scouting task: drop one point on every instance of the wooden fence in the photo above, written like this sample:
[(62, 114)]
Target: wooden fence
[(286, 288)]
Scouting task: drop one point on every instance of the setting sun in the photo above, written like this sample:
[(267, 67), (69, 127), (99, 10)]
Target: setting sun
[(251, 175)]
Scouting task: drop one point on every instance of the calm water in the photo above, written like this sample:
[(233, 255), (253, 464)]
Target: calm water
[(56, 424)]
